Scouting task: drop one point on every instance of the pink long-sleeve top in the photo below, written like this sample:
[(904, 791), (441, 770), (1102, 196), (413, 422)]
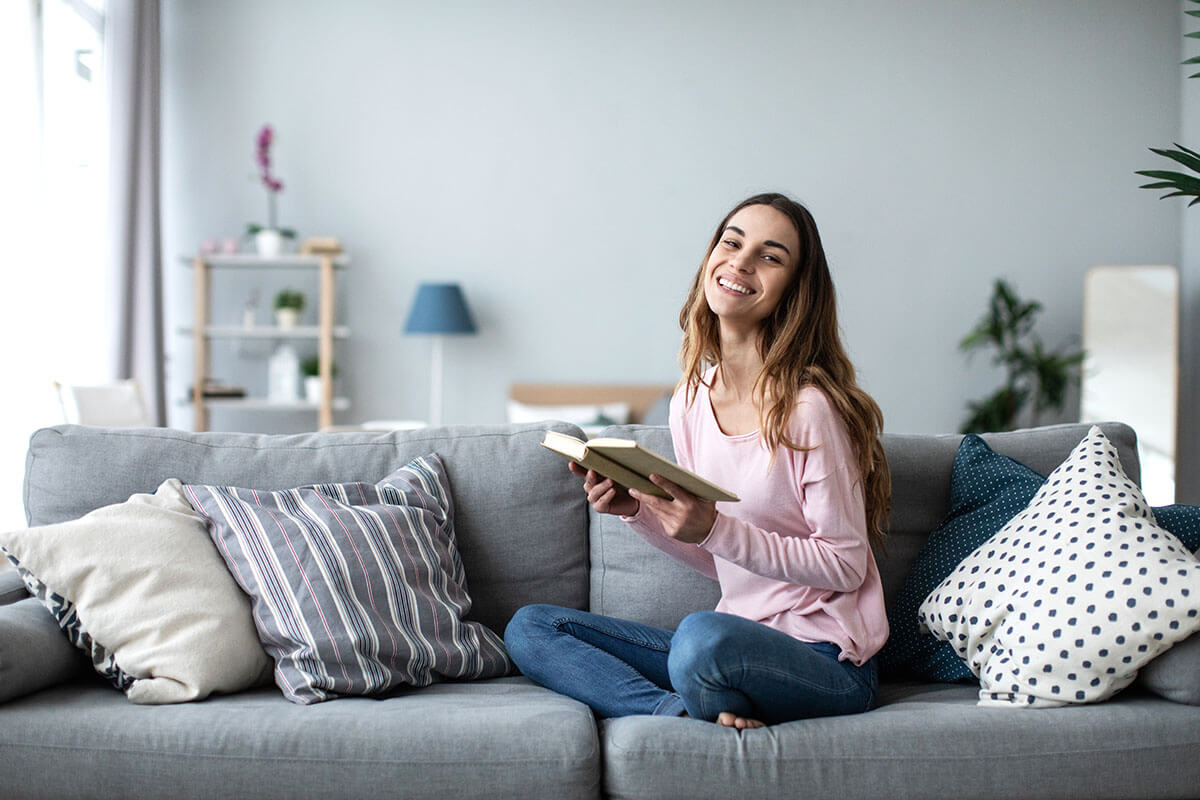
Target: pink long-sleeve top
[(793, 554)]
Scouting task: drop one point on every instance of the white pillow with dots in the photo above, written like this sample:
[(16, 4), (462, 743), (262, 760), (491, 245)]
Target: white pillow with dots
[(1073, 595)]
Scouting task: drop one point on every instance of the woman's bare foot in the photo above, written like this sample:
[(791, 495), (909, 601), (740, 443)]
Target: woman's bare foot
[(731, 720)]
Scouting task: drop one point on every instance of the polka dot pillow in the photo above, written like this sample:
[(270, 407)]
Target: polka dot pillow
[(1071, 597)]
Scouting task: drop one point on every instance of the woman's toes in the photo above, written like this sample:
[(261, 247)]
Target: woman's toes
[(731, 720)]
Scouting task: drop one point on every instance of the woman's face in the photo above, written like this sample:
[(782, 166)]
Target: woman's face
[(749, 269)]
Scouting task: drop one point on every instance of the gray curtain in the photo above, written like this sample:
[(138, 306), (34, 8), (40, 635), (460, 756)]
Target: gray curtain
[(131, 39)]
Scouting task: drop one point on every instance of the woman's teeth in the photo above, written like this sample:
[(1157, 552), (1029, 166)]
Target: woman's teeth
[(733, 286)]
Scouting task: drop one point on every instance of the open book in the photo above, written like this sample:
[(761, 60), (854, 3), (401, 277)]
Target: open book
[(630, 464)]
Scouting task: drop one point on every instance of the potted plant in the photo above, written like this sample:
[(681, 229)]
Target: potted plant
[(288, 305), (268, 239), (1035, 377), (310, 368)]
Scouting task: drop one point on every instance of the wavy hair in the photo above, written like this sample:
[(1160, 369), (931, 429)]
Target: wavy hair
[(800, 346)]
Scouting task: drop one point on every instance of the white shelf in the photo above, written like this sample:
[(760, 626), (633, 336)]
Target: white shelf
[(267, 332), (203, 332), (255, 261), (265, 404)]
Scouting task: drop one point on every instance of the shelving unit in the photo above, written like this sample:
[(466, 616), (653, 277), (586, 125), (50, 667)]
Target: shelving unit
[(325, 332)]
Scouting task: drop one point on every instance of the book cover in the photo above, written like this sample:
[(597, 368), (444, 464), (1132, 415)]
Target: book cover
[(630, 465)]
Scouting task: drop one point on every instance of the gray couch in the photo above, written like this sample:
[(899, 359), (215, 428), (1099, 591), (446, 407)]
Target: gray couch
[(526, 535)]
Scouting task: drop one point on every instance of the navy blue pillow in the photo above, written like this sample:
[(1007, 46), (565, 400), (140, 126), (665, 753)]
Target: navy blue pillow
[(1183, 521), (986, 491)]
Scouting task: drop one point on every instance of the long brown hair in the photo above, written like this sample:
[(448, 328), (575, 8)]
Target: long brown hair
[(800, 346)]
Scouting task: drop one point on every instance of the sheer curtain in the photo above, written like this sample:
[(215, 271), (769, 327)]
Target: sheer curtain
[(55, 310)]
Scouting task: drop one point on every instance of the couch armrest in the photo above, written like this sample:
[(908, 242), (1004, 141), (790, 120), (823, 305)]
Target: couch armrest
[(12, 588)]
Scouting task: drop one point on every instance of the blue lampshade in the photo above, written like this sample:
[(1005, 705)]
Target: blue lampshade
[(439, 308)]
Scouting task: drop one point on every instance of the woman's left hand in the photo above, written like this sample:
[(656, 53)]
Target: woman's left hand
[(684, 516)]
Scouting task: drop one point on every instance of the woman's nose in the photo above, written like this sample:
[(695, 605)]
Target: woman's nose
[(740, 261)]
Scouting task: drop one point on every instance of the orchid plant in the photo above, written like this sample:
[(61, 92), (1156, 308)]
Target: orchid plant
[(272, 184)]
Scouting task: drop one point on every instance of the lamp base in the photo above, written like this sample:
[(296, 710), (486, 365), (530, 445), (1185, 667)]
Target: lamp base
[(435, 383)]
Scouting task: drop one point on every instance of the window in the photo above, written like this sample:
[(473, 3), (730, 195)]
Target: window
[(54, 151)]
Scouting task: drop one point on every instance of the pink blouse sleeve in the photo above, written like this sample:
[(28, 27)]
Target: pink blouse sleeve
[(835, 554)]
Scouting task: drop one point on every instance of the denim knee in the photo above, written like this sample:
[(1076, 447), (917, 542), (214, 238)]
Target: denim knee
[(528, 624), (699, 638)]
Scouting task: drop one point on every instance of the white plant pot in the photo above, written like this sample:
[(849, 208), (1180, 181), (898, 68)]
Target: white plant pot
[(312, 388), (286, 318), (268, 242)]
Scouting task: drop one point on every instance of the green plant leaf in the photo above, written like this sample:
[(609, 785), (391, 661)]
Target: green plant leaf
[(996, 412), (1177, 180), (1188, 159), (1192, 60)]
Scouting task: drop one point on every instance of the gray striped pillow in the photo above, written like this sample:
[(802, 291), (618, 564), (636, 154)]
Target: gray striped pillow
[(356, 588)]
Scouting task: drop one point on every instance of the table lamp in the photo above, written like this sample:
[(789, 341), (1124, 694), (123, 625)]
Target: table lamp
[(438, 309)]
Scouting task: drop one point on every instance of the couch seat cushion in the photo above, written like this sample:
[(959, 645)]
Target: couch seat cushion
[(925, 740), (498, 738)]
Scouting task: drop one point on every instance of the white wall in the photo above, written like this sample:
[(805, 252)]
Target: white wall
[(566, 159)]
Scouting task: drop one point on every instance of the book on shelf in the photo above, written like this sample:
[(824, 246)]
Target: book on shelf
[(630, 465), (216, 389)]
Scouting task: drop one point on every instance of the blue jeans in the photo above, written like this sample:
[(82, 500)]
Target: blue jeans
[(712, 663)]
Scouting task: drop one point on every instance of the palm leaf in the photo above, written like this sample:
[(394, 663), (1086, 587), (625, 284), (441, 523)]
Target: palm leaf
[(1183, 156)]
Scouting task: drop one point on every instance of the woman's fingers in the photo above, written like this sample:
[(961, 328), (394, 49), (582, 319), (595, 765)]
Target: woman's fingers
[(684, 516)]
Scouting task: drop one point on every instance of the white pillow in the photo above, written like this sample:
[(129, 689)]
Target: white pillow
[(1073, 595), (586, 414), (139, 587)]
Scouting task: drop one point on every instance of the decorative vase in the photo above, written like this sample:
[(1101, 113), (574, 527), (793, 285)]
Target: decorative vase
[(286, 318), (283, 375), (312, 388), (268, 242)]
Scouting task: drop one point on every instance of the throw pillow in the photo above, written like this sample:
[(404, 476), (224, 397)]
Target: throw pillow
[(1175, 674), (12, 588), (986, 491), (34, 654), (1074, 594), (1183, 521), (357, 588), (139, 587)]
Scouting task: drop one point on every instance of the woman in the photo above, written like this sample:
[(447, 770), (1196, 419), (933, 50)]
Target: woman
[(768, 407)]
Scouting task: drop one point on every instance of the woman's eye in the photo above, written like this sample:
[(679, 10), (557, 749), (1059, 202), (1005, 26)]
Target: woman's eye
[(770, 257), (730, 243)]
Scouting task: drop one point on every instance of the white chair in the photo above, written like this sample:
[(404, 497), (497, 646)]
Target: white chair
[(111, 405)]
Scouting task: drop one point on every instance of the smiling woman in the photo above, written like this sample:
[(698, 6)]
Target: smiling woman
[(770, 408)]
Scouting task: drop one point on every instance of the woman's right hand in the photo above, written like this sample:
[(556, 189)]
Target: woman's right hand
[(604, 495)]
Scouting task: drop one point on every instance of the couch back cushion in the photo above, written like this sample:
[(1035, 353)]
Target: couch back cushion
[(633, 580), (520, 516)]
